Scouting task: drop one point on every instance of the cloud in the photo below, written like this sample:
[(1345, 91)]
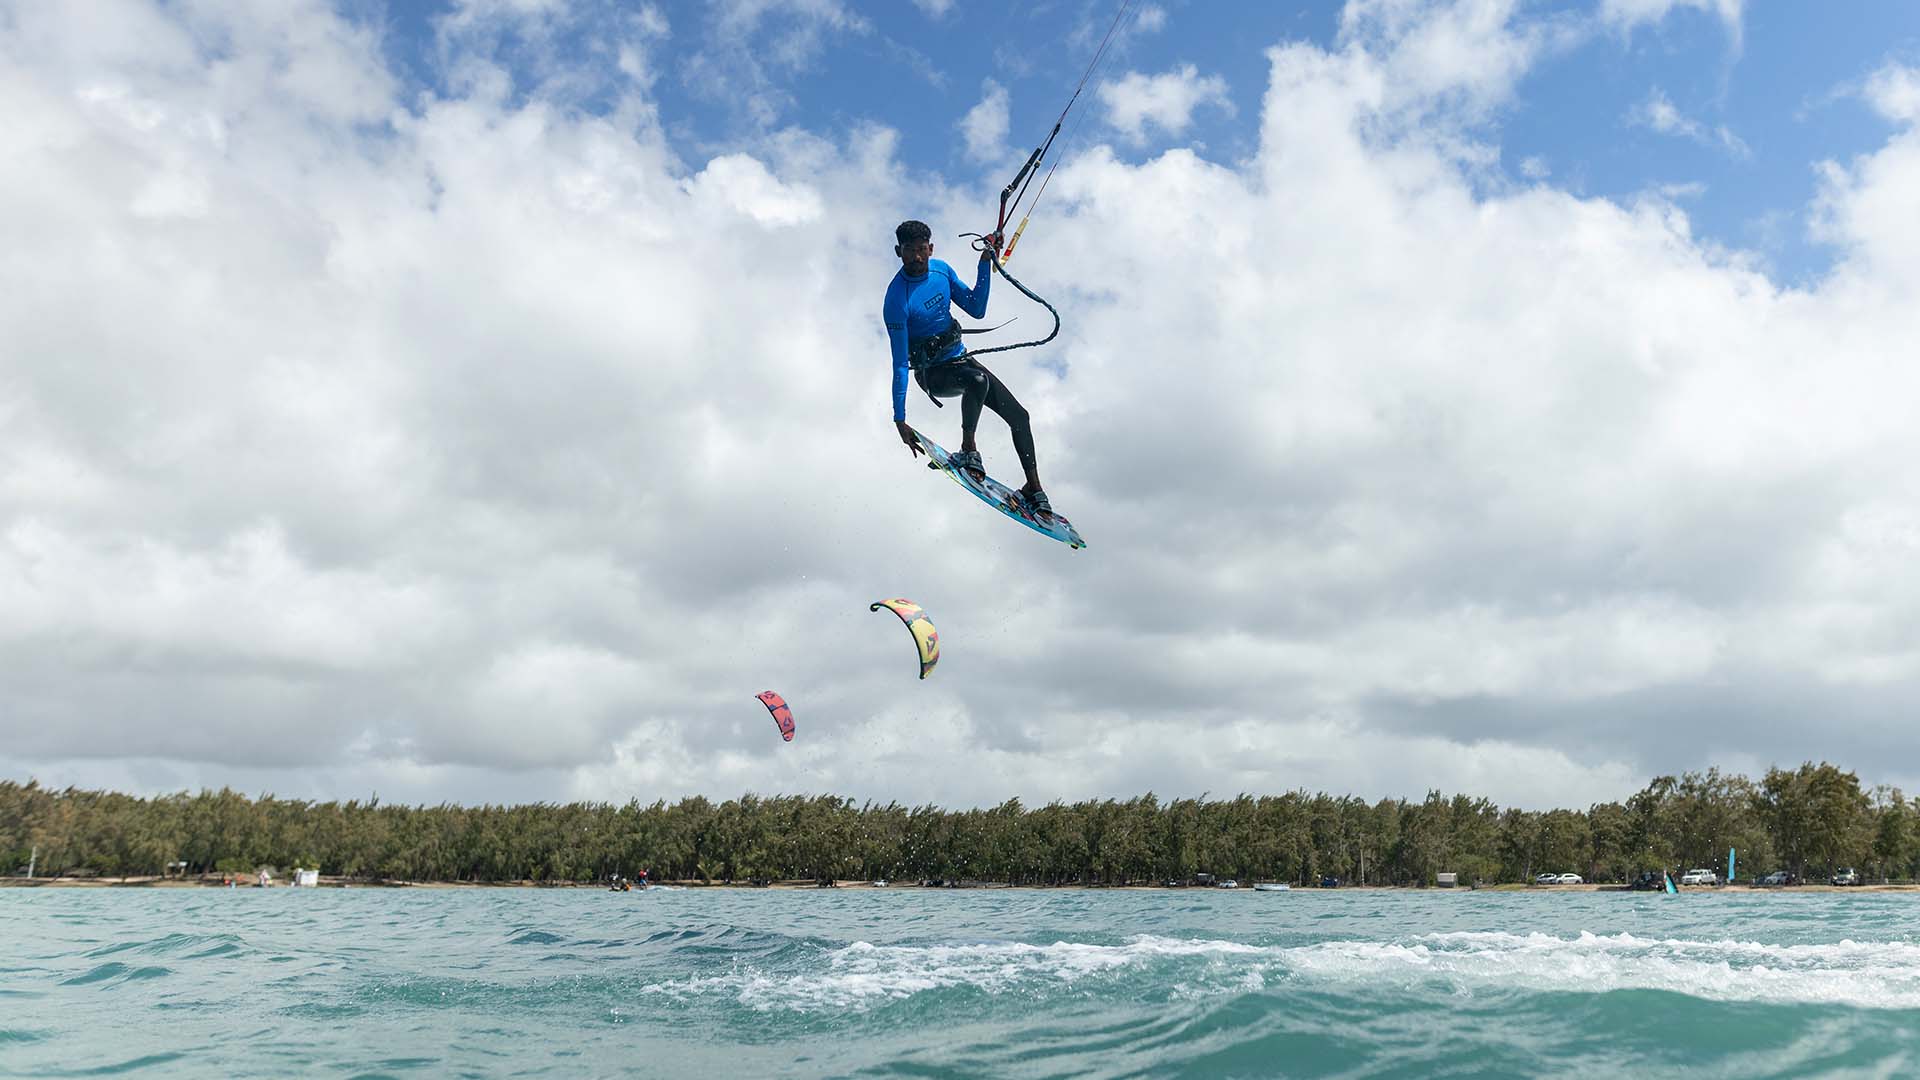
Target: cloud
[(1659, 114), (1894, 92), (985, 126), (1865, 206), (1459, 57), (934, 9), (1627, 14), (490, 45), (1676, 192), (743, 185), (1167, 102), (472, 444)]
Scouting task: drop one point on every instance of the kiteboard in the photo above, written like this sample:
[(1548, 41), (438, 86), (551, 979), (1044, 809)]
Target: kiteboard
[(1000, 496)]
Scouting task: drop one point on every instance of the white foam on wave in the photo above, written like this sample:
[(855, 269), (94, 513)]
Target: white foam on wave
[(1882, 975), (863, 975), (860, 976)]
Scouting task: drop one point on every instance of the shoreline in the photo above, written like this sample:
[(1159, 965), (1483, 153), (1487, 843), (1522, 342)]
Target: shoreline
[(159, 882)]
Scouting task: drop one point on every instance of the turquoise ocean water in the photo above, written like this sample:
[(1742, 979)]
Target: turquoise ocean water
[(908, 982)]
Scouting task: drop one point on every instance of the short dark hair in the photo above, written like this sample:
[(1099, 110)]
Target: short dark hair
[(909, 231)]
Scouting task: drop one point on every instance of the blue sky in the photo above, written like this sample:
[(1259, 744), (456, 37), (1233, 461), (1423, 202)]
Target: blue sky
[(1758, 94)]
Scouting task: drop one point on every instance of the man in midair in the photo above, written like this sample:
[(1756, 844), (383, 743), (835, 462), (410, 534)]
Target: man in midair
[(926, 340)]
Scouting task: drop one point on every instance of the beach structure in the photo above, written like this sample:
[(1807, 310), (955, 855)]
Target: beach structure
[(1447, 881)]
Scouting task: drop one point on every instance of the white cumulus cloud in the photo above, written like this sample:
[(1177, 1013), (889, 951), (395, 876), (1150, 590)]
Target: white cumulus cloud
[(1894, 91), (1452, 56), (1138, 102), (984, 127)]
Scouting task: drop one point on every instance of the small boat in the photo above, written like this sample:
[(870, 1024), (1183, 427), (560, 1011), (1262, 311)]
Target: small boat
[(1271, 886)]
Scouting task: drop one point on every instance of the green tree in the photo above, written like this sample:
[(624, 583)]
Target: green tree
[(1817, 817), (1893, 847)]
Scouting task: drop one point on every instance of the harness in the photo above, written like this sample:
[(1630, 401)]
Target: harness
[(927, 352)]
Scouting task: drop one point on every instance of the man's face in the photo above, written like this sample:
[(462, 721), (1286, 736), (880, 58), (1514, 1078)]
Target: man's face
[(914, 256)]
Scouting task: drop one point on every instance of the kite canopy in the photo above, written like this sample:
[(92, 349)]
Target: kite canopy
[(924, 635), (782, 715)]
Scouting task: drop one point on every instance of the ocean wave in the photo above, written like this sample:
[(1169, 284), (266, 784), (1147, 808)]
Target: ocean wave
[(9, 1035), (190, 946), (116, 972), (861, 975), (115, 1068), (1878, 975), (1015, 985)]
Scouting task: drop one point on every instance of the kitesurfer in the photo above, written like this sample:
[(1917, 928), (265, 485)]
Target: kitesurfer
[(926, 340)]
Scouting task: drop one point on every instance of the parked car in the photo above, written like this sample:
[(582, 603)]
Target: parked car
[(1649, 881), (1844, 876), (1546, 879), (1329, 882), (1699, 877), (1228, 884), (1780, 877), (1568, 879)]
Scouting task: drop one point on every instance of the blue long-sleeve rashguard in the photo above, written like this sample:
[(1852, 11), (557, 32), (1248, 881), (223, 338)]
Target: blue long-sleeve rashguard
[(917, 308)]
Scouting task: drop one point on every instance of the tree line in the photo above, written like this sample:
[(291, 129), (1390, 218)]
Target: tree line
[(1809, 820)]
